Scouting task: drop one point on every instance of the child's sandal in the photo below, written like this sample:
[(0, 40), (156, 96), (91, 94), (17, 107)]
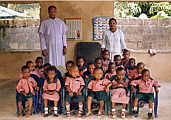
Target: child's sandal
[(88, 114), (68, 114), (79, 113), (123, 115), (114, 114), (100, 113)]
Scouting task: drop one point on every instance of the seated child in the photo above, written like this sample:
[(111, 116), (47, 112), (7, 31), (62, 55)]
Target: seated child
[(111, 71), (45, 67), (140, 67), (39, 66), (99, 63), (125, 59), (81, 65), (69, 64), (105, 60), (96, 89), (25, 87), (118, 62), (51, 90), (74, 85), (119, 91), (131, 69), (145, 85)]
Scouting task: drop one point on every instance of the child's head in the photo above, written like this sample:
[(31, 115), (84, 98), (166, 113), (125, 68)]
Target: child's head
[(74, 71), (112, 67), (39, 61), (46, 66), (98, 62), (145, 74), (69, 64), (91, 67), (117, 59), (120, 73), (105, 54), (131, 62), (80, 61), (140, 67), (51, 72), (30, 65), (25, 72), (98, 73), (126, 54)]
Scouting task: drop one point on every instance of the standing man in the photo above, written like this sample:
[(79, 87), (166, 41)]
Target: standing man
[(53, 39), (113, 40)]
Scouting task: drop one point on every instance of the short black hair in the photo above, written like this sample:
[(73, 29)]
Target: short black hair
[(131, 60), (52, 68), (110, 20), (98, 59), (46, 64), (90, 63), (80, 57), (50, 7), (140, 63), (145, 70), (116, 57), (38, 59), (125, 50), (98, 69), (70, 62), (111, 63), (24, 67), (119, 69), (28, 62)]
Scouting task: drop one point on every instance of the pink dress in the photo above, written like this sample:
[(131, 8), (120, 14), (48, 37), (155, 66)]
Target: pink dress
[(109, 75), (74, 83), (26, 85), (52, 86), (119, 94), (99, 85), (145, 86)]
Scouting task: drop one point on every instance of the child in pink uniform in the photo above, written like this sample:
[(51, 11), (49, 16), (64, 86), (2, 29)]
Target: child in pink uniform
[(111, 71), (131, 69), (81, 65), (125, 59), (145, 85), (118, 61), (119, 92), (51, 90), (105, 60), (74, 85), (140, 67), (98, 63), (25, 87), (96, 89)]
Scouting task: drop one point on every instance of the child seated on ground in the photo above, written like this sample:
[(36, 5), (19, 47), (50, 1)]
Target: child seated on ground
[(74, 85), (98, 63), (26, 87), (105, 60), (119, 91), (118, 62), (131, 69), (80, 61), (125, 59), (51, 90), (145, 85), (96, 89), (111, 71)]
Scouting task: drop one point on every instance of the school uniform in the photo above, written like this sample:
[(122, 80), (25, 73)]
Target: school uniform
[(97, 89), (27, 86), (131, 72)]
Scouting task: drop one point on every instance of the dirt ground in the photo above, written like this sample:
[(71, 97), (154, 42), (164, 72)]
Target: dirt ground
[(8, 106)]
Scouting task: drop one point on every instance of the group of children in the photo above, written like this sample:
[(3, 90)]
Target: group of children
[(97, 79)]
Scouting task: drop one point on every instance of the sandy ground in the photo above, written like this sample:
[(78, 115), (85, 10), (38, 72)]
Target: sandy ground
[(8, 107)]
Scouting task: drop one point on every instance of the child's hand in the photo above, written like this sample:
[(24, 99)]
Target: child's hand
[(156, 89), (24, 93), (107, 89), (71, 94)]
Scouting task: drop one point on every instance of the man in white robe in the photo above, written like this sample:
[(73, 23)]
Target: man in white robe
[(113, 40), (53, 39)]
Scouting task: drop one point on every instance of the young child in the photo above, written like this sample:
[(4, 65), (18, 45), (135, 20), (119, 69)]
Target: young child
[(81, 65), (131, 69), (105, 60), (111, 71), (25, 87), (69, 64), (99, 63), (88, 75), (119, 93), (118, 62), (140, 67), (125, 59), (51, 90), (39, 62), (145, 85), (96, 89), (74, 85)]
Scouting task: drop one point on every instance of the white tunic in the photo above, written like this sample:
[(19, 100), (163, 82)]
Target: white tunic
[(113, 41), (53, 39)]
